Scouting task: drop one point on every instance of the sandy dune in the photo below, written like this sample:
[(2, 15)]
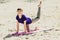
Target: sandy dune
[(50, 19)]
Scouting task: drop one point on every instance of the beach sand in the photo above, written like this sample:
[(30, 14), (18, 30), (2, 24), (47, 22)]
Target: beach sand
[(49, 19)]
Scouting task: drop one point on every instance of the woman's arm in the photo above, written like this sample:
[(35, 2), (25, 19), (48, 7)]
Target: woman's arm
[(25, 26), (17, 25)]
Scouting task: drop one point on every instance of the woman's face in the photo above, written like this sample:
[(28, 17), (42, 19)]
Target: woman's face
[(20, 12)]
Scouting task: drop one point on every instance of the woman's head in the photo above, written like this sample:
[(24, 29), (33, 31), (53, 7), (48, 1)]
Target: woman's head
[(20, 11)]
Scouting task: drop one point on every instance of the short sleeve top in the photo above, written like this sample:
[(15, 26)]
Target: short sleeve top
[(22, 19)]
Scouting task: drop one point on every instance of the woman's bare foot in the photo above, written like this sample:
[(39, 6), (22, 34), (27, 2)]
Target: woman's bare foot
[(40, 4), (36, 28)]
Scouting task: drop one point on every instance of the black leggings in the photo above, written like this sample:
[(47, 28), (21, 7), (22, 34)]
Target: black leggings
[(35, 19), (38, 15)]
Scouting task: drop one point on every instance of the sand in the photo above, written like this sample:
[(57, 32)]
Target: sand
[(49, 19)]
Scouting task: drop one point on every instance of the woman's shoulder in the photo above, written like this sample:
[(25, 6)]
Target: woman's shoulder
[(23, 15), (17, 16)]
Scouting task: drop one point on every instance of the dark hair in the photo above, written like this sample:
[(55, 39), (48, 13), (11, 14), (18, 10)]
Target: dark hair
[(19, 9)]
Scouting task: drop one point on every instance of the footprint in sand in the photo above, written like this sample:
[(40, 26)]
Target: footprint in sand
[(27, 38), (57, 30), (1, 24)]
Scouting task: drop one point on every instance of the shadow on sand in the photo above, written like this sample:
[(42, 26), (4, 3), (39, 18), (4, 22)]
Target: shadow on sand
[(16, 35)]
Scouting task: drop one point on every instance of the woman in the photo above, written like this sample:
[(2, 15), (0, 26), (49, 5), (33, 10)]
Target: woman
[(21, 18)]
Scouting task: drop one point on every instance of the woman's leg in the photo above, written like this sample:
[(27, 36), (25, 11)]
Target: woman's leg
[(27, 26), (38, 13)]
